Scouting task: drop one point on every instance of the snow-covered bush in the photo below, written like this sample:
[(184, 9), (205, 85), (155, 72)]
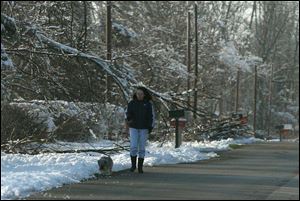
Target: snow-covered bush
[(18, 128), (74, 120)]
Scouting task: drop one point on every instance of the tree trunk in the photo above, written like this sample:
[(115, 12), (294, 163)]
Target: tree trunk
[(196, 61), (188, 55), (108, 46)]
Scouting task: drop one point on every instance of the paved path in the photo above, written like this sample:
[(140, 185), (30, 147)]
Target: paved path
[(256, 171)]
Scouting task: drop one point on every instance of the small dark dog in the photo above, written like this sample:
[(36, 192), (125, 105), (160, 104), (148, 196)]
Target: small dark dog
[(105, 165)]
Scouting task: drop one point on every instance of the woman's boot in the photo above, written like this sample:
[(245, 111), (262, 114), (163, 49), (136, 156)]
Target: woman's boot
[(140, 165), (133, 163)]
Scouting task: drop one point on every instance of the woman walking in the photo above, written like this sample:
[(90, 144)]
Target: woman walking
[(140, 122)]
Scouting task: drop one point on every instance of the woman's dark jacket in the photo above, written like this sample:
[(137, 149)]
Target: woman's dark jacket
[(140, 114)]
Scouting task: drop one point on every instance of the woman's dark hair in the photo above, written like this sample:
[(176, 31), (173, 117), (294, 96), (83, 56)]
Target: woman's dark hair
[(147, 95)]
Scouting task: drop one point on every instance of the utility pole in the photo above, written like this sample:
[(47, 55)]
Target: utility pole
[(108, 46), (196, 62), (255, 94), (188, 55), (237, 90), (270, 100), (85, 25)]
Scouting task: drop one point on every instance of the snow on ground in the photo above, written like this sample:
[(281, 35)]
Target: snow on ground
[(21, 175)]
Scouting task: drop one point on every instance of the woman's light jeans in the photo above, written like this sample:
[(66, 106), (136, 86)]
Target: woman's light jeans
[(138, 139)]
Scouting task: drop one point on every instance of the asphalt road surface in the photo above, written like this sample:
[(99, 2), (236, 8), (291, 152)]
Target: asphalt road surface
[(266, 171)]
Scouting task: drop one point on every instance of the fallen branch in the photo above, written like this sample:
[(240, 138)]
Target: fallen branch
[(102, 151)]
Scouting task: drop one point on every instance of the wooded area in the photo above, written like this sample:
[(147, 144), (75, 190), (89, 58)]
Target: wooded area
[(213, 58)]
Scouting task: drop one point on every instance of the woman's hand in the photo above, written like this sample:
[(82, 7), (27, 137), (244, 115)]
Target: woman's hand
[(126, 128)]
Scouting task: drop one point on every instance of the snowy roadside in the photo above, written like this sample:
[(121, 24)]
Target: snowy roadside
[(21, 175)]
